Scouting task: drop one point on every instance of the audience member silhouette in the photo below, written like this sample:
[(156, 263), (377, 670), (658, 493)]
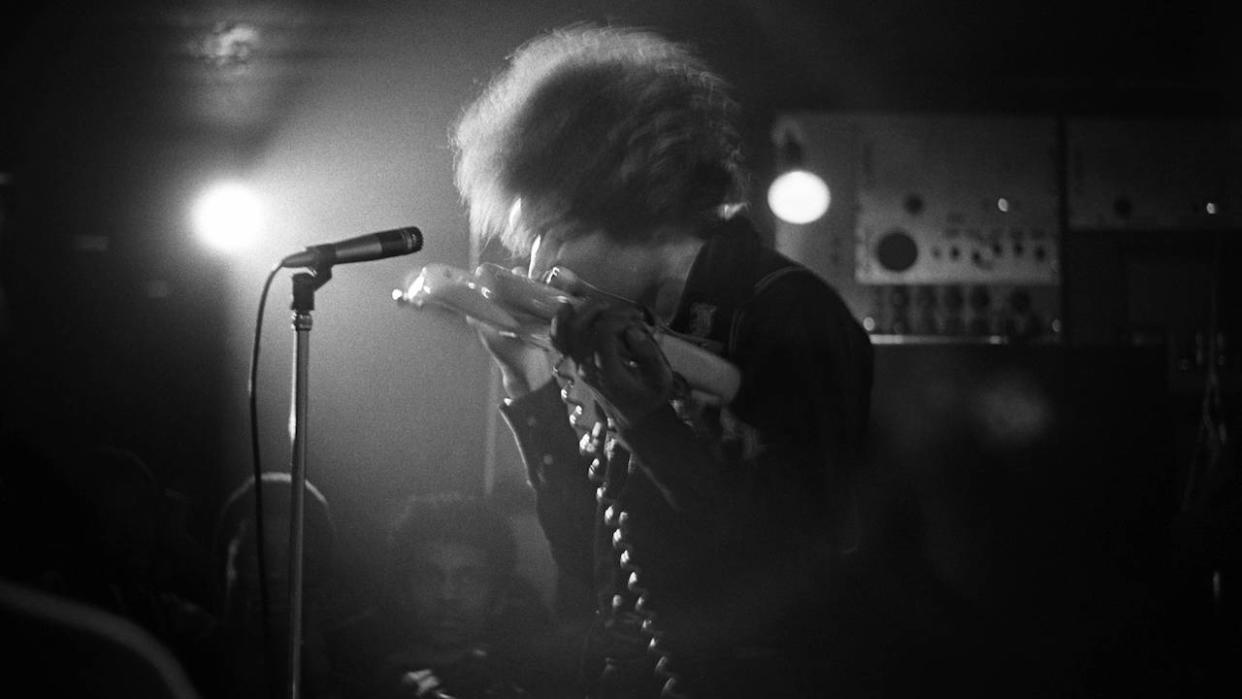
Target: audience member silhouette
[(246, 666)]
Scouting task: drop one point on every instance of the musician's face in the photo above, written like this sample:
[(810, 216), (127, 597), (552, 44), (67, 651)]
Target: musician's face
[(625, 270)]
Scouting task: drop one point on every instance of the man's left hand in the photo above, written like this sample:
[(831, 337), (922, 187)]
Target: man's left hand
[(616, 355)]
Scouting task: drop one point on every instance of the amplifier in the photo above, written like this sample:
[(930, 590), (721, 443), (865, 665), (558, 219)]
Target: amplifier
[(1154, 175), (941, 225)]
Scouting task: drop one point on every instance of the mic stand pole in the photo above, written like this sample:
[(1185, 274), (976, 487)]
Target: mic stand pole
[(304, 286)]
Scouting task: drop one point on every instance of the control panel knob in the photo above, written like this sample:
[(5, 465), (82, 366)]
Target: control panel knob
[(897, 251), (1123, 207), (913, 204)]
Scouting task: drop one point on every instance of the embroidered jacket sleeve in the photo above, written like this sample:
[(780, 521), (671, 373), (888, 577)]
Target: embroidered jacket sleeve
[(564, 495), (802, 409)]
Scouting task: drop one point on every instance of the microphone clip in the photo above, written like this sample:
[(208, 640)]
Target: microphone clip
[(305, 284)]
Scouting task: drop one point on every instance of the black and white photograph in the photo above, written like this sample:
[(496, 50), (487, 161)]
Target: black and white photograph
[(621, 349)]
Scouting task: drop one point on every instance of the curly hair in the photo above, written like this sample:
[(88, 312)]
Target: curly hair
[(593, 128)]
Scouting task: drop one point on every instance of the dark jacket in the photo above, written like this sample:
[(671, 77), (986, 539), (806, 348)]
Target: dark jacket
[(728, 516)]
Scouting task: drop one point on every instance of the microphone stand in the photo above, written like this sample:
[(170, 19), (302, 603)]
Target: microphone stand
[(304, 286)]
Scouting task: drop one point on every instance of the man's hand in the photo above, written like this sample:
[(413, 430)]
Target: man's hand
[(616, 355), (523, 367)]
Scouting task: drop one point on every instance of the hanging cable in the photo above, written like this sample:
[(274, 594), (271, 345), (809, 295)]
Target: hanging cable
[(257, 467)]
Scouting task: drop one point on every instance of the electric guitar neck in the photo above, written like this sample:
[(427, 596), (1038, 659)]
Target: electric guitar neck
[(522, 307)]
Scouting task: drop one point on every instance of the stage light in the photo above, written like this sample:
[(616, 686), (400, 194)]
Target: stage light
[(799, 196), (228, 216)]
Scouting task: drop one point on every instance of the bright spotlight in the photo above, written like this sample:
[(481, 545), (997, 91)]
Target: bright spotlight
[(228, 216), (799, 196)]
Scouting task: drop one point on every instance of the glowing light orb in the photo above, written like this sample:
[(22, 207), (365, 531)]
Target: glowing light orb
[(799, 197), (228, 216)]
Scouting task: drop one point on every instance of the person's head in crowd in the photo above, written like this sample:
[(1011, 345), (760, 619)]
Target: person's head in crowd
[(451, 560), (245, 666), (237, 554)]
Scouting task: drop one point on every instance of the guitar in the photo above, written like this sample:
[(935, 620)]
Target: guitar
[(523, 308)]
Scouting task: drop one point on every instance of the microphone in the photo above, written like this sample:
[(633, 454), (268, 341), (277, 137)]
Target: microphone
[(372, 246)]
